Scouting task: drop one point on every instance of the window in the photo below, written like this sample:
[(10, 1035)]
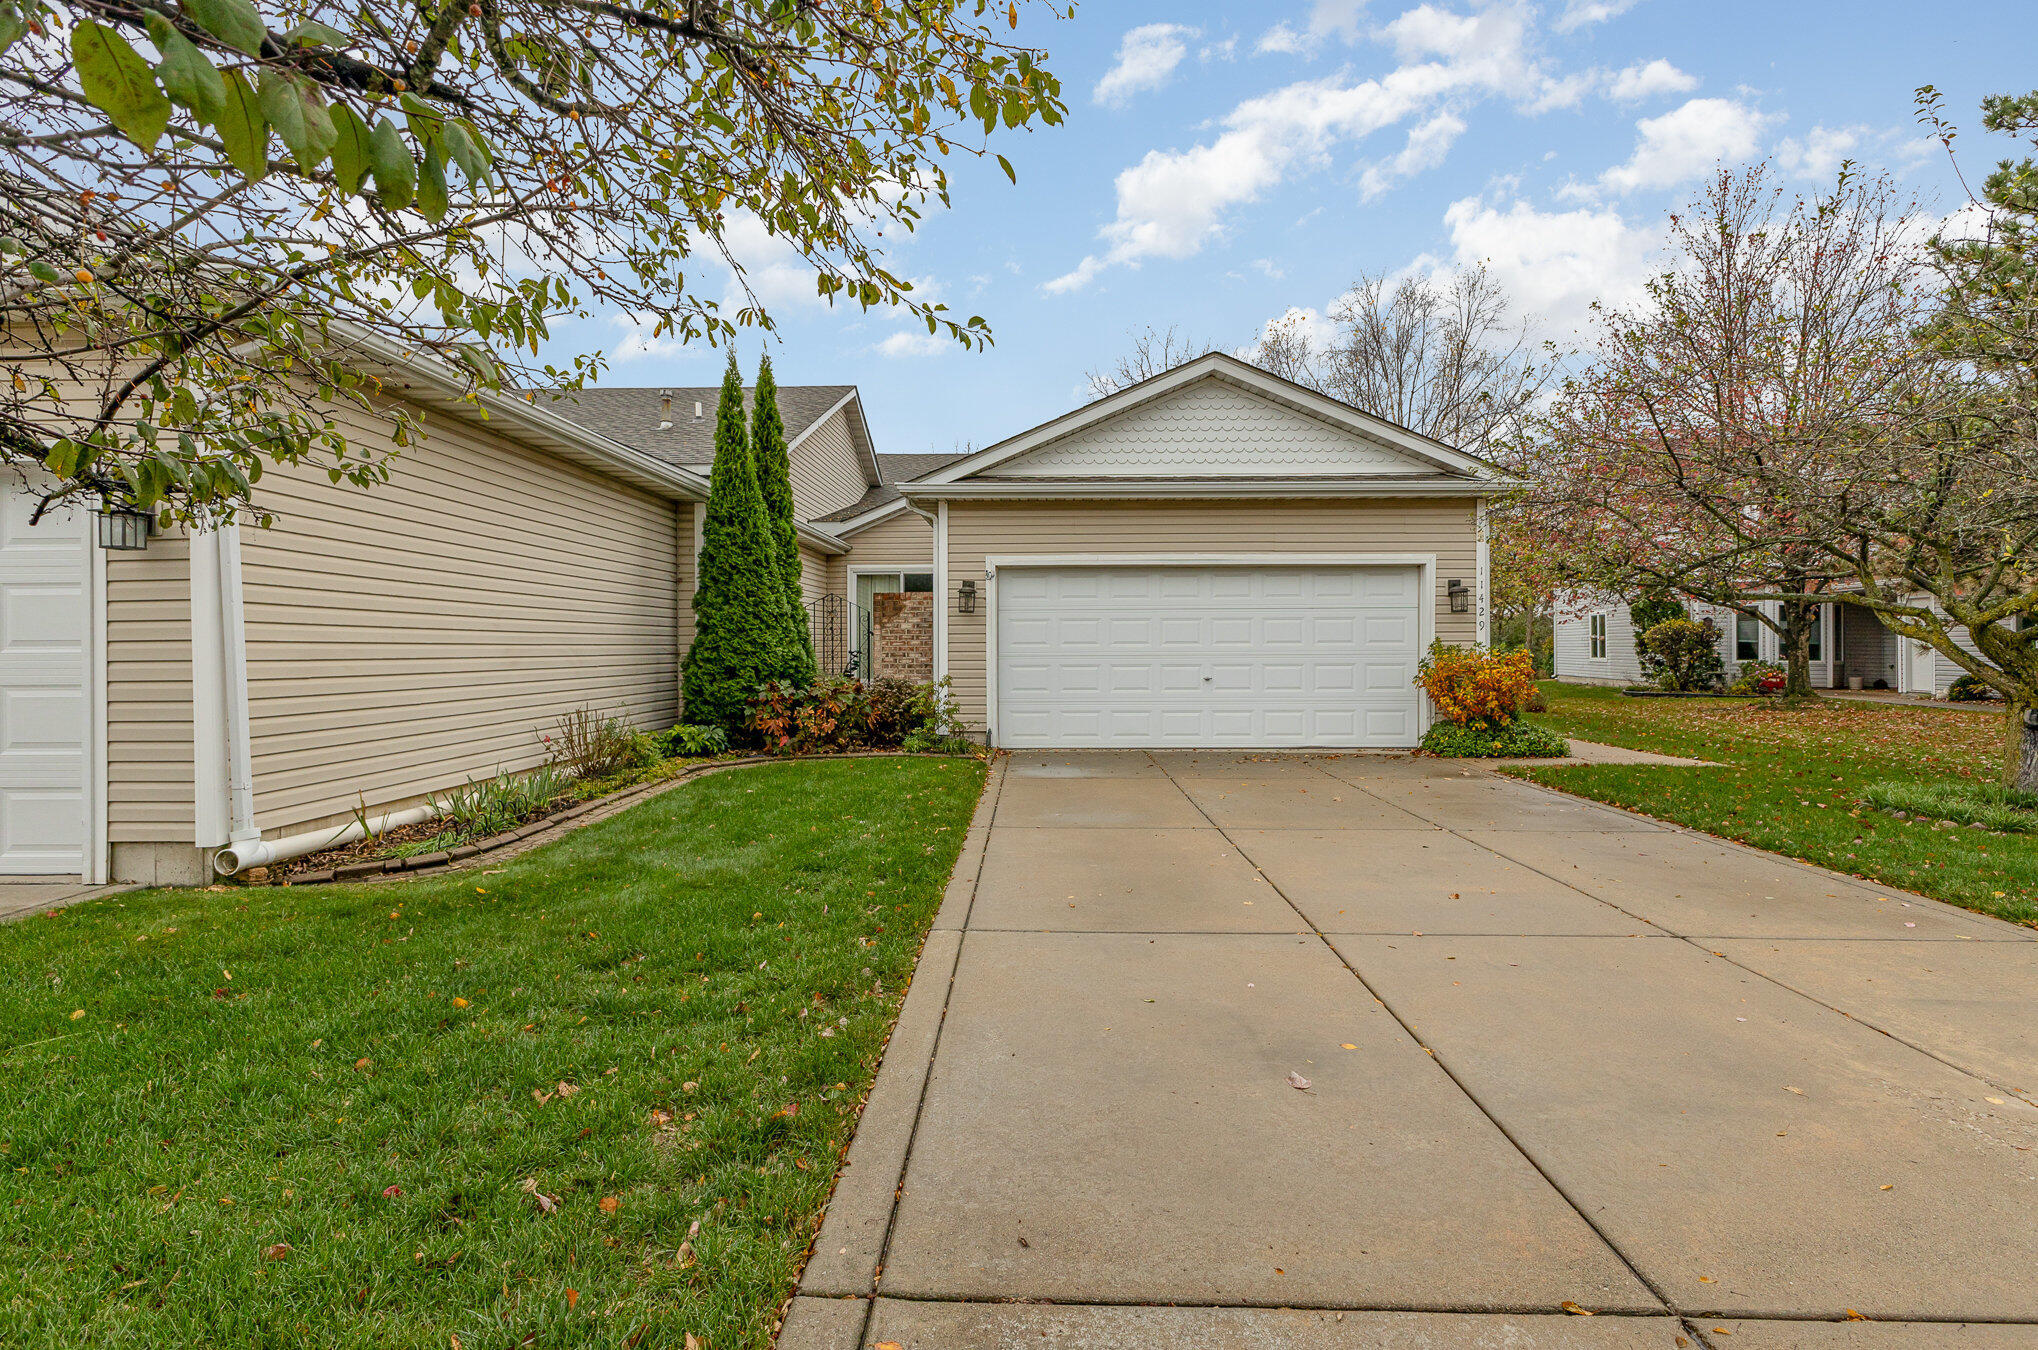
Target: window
[(1747, 638), (918, 581), (1818, 647), (1598, 631)]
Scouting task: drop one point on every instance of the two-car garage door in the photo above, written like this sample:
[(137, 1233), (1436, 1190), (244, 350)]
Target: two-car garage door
[(1208, 655)]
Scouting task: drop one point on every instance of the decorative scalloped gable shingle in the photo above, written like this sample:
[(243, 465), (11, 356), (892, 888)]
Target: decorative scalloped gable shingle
[(1212, 429)]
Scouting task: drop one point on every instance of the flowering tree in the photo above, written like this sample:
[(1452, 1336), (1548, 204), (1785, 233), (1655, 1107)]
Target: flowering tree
[(1777, 343), (1934, 518), (200, 200)]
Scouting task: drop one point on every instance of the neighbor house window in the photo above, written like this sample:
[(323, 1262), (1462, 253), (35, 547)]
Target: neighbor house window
[(1598, 631), (1747, 638), (1818, 647)]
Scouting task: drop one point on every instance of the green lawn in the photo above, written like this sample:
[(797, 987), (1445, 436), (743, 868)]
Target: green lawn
[(483, 1110), (1791, 782)]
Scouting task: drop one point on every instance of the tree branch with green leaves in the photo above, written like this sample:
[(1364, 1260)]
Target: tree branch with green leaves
[(200, 198)]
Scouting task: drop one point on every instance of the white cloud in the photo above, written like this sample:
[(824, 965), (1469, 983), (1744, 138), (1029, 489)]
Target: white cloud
[(1327, 18), (1218, 51), (1174, 202), (1686, 142), (1336, 16), (1651, 80), (1082, 275), (1147, 56), (1566, 91), (1269, 268), (1426, 147), (914, 344), (1554, 264), (1819, 153), (1578, 14), (1281, 40), (637, 343)]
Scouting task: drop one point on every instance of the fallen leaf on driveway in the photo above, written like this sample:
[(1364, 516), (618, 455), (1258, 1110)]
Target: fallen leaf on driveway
[(1798, 1091), (1568, 1306), (1297, 1081)]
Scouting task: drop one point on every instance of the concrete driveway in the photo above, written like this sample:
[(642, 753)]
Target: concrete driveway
[(1232, 1050)]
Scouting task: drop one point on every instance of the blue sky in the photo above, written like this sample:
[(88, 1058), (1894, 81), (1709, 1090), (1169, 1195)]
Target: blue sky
[(1224, 164)]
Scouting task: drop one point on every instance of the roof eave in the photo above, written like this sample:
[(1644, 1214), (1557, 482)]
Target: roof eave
[(1095, 489), (430, 383)]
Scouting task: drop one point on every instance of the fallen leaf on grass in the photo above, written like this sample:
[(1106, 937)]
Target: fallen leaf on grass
[(391, 1192), (277, 1252), (572, 1297), (1298, 1082), (545, 1203), (610, 1204)]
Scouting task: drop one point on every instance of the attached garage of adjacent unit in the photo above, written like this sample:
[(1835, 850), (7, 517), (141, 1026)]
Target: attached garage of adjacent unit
[(1189, 651), (50, 616)]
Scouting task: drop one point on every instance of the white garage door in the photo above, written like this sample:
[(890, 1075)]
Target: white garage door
[(44, 613), (1208, 656)]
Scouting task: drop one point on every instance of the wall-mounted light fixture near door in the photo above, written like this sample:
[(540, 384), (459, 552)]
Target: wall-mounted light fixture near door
[(1460, 597), (966, 597)]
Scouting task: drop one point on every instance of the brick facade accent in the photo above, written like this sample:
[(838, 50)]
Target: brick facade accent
[(902, 630)]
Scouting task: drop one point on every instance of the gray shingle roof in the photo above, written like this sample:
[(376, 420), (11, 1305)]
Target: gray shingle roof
[(632, 415), (896, 469)]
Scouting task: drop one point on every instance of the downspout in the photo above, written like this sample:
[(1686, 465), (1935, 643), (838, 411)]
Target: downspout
[(240, 743), (221, 723), (208, 693)]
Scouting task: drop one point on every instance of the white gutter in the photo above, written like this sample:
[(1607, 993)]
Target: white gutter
[(1094, 489), (259, 852)]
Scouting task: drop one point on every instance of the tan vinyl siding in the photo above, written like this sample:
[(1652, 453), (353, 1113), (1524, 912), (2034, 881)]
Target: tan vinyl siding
[(688, 575), (405, 638), (815, 569), (148, 693), (978, 530), (827, 473), (905, 542)]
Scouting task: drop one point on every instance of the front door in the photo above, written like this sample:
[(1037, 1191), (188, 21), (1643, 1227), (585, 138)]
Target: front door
[(1920, 667)]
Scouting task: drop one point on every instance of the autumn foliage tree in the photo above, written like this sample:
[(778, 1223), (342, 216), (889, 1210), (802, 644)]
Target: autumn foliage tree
[(1933, 512), (1779, 339), (206, 204)]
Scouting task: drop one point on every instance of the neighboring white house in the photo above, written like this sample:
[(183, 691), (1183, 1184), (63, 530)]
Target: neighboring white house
[(1595, 644)]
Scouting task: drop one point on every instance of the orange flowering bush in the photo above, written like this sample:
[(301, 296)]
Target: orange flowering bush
[(1472, 687)]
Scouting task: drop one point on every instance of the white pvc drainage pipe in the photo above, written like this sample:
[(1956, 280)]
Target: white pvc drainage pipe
[(243, 854)]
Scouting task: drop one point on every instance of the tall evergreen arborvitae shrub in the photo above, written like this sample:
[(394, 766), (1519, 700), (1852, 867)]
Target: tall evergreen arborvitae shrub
[(739, 602), (769, 453)]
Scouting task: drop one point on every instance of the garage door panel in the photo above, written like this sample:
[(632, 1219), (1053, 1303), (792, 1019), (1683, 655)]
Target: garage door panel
[(1207, 656), (44, 721)]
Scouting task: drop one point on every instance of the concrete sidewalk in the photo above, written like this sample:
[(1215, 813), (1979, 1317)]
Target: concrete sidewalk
[(1230, 1050)]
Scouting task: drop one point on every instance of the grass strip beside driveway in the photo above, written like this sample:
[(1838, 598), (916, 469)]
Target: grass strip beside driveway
[(1791, 780), (477, 1110)]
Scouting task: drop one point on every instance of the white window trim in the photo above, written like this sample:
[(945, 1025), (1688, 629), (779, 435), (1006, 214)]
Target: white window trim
[(1425, 616), (1602, 620), (1482, 598)]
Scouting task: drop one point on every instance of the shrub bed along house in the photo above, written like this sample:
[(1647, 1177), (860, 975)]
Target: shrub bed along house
[(1479, 698)]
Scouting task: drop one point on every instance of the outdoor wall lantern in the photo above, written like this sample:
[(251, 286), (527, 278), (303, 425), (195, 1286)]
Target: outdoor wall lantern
[(966, 597), (124, 529), (1461, 598)]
